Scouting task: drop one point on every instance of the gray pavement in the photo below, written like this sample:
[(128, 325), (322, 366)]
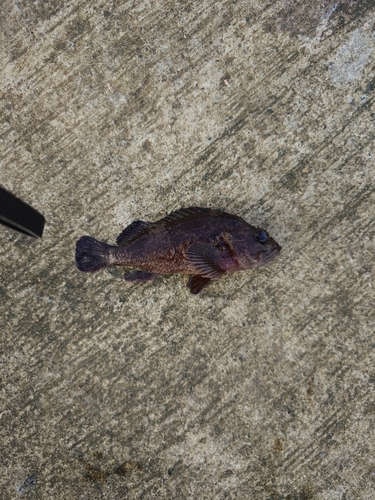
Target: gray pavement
[(261, 387)]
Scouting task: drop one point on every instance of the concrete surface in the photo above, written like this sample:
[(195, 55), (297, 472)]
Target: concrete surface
[(262, 387)]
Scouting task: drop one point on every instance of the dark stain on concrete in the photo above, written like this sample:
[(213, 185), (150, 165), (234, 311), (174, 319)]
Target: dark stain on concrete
[(298, 17), (95, 474), (127, 467), (303, 18), (305, 493), (98, 473), (278, 445)]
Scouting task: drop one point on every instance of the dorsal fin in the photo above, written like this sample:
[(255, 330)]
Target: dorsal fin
[(133, 232), (139, 228), (184, 213)]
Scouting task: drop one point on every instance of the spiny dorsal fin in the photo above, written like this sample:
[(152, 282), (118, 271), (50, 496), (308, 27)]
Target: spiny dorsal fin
[(139, 228), (133, 232), (184, 213)]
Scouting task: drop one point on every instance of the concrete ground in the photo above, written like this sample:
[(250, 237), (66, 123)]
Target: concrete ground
[(262, 387)]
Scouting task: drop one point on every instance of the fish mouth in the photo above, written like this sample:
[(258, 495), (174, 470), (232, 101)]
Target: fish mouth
[(271, 253)]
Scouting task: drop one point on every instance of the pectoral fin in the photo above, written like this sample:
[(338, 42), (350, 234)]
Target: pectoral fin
[(138, 276), (197, 283), (206, 260)]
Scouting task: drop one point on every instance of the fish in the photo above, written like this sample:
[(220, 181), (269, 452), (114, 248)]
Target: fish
[(204, 243)]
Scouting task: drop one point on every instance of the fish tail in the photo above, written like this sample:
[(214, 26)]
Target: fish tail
[(92, 255)]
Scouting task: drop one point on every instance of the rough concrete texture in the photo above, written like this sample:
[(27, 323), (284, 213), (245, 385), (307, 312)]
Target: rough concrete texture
[(262, 387)]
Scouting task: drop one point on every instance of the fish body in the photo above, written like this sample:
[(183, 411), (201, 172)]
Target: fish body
[(202, 242)]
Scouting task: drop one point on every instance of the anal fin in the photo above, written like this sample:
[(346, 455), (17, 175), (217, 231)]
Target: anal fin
[(138, 276), (197, 283)]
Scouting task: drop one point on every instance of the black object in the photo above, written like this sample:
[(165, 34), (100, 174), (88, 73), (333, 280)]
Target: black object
[(19, 215)]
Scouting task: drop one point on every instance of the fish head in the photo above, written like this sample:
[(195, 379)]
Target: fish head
[(261, 247)]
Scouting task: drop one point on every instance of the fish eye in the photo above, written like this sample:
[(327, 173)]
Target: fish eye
[(263, 237)]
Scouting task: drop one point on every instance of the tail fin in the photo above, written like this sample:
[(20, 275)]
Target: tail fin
[(91, 254)]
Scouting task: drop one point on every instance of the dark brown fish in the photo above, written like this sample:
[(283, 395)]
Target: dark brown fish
[(205, 243)]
